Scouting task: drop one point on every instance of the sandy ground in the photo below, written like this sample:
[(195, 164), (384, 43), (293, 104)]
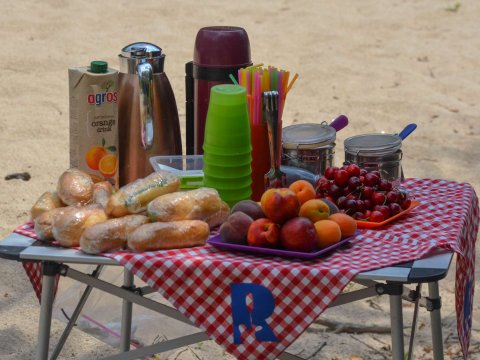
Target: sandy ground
[(383, 64)]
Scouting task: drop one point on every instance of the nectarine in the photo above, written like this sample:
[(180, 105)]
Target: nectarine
[(298, 234), (234, 229), (263, 232), (280, 204)]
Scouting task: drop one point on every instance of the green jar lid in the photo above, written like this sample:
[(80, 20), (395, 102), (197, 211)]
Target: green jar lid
[(98, 67)]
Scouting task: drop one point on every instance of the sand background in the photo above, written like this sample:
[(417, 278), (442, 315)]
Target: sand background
[(383, 64)]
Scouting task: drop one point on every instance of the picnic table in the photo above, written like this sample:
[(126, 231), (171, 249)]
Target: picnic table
[(255, 306)]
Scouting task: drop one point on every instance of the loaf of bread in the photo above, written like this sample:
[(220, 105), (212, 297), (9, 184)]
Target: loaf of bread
[(47, 201), (75, 188), (134, 197), (101, 193), (43, 224), (199, 204), (168, 235), (110, 235), (69, 225)]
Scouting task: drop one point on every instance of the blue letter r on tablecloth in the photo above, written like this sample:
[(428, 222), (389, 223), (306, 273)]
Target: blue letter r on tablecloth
[(263, 305)]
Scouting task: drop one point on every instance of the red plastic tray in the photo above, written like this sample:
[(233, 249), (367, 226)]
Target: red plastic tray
[(371, 225), (218, 242)]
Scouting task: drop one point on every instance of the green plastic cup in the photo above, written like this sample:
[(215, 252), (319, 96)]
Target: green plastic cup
[(228, 161), (227, 183), (227, 124), (227, 172), (236, 194)]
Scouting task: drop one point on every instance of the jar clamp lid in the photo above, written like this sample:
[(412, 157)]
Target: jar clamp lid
[(373, 144), (307, 136)]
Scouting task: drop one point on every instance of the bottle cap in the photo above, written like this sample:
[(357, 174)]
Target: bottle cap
[(98, 67)]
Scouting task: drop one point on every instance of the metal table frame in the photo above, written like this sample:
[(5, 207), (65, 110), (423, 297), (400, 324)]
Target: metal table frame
[(389, 281)]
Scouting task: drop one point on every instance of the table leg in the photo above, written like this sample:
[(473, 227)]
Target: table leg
[(126, 314), (436, 322), (396, 323), (46, 305)]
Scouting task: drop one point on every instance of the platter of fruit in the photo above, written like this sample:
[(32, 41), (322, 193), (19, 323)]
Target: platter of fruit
[(364, 195), (289, 222)]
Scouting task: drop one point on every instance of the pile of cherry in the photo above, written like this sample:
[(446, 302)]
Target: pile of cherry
[(362, 194)]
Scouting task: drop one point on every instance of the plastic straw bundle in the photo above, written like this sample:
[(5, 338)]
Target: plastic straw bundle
[(258, 80)]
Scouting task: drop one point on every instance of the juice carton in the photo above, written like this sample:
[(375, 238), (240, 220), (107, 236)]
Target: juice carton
[(94, 121)]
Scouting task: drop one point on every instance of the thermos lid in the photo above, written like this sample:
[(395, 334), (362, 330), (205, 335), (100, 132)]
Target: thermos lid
[(140, 52), (373, 144), (98, 67), (142, 49), (307, 136), (222, 46)]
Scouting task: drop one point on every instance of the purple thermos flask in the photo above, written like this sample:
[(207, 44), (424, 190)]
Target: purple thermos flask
[(219, 51)]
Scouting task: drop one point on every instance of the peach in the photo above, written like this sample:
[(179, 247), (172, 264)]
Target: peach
[(347, 224), (315, 210), (328, 233), (304, 190), (249, 207), (234, 230), (279, 204), (263, 232), (298, 234)]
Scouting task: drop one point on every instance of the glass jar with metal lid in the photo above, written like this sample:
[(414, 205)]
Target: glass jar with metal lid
[(380, 152), (309, 146)]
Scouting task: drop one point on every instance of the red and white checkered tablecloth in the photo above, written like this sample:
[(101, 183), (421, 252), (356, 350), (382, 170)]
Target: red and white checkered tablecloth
[(199, 281)]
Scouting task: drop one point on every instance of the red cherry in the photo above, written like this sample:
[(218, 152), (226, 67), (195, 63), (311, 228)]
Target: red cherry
[(371, 179), (395, 208), (354, 183), (384, 185), (385, 210), (406, 204), (368, 204), (367, 192), (335, 191), (363, 172), (378, 198), (341, 202), (393, 196), (353, 170), (330, 172), (341, 177), (376, 216)]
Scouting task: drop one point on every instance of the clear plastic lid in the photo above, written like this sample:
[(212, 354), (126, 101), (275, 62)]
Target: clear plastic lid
[(305, 136), (373, 144)]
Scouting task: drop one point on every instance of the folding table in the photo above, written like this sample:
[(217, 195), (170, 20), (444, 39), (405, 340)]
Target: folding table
[(389, 281)]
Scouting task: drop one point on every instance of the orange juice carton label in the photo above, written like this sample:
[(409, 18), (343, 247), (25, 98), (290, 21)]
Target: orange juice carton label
[(94, 122)]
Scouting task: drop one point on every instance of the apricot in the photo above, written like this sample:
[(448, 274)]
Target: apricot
[(315, 210), (347, 224), (249, 207), (328, 233), (94, 155), (234, 230), (304, 190)]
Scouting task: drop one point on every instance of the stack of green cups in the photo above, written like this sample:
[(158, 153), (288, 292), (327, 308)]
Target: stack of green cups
[(227, 149)]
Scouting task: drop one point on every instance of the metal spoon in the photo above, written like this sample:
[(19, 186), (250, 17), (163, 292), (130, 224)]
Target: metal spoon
[(275, 178), (407, 130)]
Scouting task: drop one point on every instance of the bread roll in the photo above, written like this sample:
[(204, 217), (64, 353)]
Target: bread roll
[(75, 188), (199, 204), (168, 235), (43, 224), (110, 235), (101, 193), (70, 224), (219, 217), (134, 197), (47, 201)]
